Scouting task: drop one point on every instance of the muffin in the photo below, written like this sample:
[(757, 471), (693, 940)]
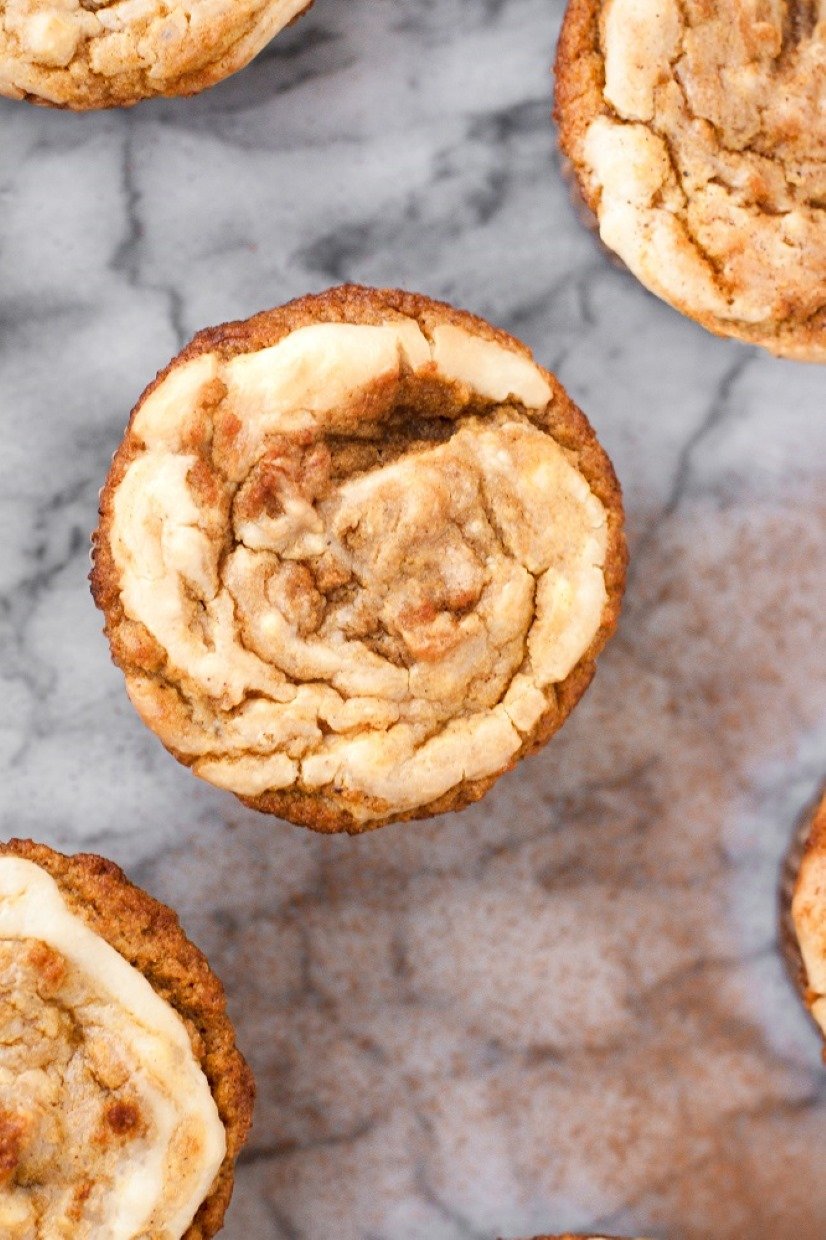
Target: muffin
[(357, 556), (803, 911), (123, 1100), (697, 134), (84, 54)]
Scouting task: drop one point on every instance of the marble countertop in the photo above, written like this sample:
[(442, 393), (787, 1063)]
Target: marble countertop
[(563, 1008)]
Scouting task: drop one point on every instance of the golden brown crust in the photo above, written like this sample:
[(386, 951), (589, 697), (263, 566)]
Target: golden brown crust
[(808, 845), (353, 304), (229, 40), (796, 328), (149, 936), (579, 75)]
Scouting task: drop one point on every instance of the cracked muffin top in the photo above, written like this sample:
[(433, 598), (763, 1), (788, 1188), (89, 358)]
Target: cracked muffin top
[(808, 911), (107, 53), (123, 1101), (357, 555), (697, 132)]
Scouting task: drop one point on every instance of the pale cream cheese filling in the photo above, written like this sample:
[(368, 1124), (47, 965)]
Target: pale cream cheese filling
[(156, 1185), (481, 559)]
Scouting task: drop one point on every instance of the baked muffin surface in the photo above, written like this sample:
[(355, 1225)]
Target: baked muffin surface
[(83, 54), (123, 1101), (698, 135), (357, 556), (808, 913)]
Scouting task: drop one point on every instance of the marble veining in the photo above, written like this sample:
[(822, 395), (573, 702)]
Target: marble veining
[(563, 1008)]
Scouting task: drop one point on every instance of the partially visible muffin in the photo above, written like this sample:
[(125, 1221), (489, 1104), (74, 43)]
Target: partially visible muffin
[(804, 911), (123, 1099), (357, 556), (697, 134), (82, 54)]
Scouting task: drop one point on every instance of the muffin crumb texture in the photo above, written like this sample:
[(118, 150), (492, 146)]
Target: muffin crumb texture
[(356, 557), (698, 133), (102, 53), (58, 1167)]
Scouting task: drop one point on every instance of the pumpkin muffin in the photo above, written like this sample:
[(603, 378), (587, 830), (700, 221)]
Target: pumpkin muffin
[(123, 1100), (697, 134), (357, 556), (803, 911), (84, 54)]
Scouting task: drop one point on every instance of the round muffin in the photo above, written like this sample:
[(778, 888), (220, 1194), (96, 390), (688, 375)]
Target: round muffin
[(84, 54), (123, 1099), (803, 911), (357, 556), (697, 133)]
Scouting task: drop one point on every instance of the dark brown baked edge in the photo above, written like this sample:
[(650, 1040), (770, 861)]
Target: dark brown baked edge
[(150, 937), (563, 420), (189, 84), (579, 82), (809, 837)]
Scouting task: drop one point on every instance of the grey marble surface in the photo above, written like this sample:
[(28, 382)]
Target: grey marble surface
[(563, 1008)]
